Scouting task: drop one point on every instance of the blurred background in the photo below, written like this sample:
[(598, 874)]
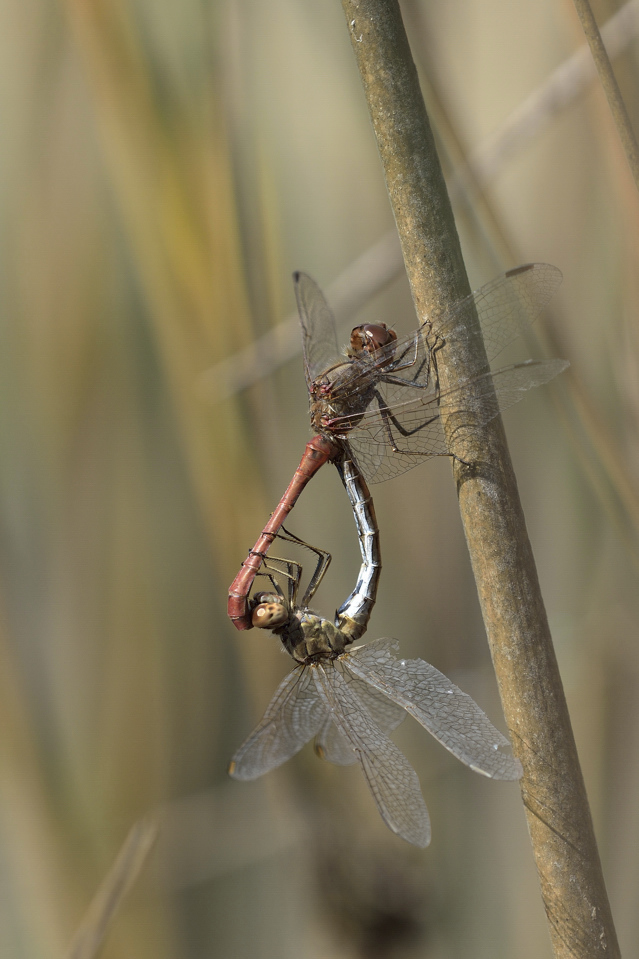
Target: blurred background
[(165, 167)]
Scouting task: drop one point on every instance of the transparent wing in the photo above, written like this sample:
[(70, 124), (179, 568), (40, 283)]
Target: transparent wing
[(393, 437), (388, 715), (506, 306), (294, 715), (330, 743), (450, 715), (390, 777), (319, 335)]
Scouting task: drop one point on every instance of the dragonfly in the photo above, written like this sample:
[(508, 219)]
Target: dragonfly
[(350, 698), (379, 403)]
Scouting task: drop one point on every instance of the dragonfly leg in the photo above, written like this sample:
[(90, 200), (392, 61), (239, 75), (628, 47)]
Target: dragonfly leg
[(323, 562), (429, 358), (398, 381), (439, 343), (292, 572), (389, 418), (400, 362)]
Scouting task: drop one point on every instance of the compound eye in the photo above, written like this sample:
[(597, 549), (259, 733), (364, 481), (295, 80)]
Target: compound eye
[(371, 337), (381, 336), (269, 615)]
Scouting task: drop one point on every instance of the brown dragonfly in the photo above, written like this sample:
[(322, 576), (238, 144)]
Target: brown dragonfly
[(350, 699), (379, 403)]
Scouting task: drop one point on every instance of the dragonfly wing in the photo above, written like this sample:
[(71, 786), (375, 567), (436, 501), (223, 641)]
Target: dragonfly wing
[(506, 307), (386, 714), (394, 437), (292, 718), (390, 777), (473, 405), (404, 370), (330, 743), (371, 444), (319, 334), (449, 714)]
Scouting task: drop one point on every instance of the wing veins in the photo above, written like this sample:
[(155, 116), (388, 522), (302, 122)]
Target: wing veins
[(449, 714), (390, 777)]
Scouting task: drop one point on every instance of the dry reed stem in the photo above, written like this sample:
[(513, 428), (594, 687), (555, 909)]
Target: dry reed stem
[(554, 795), (610, 86), (114, 887)]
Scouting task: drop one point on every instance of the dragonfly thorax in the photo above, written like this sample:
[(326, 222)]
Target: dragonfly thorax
[(309, 638), (341, 395)]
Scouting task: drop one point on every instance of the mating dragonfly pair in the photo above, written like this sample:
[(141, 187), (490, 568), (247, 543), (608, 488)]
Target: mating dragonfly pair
[(379, 411)]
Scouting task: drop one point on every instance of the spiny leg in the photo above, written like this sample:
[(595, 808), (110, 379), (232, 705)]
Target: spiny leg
[(388, 417), (400, 363), (398, 381), (323, 562), (439, 343), (429, 359), (292, 573)]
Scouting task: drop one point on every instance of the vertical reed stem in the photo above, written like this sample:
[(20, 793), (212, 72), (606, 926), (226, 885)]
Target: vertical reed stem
[(534, 705), (610, 86)]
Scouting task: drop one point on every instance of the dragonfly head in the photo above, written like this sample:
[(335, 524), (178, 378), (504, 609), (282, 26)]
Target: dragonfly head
[(268, 611), (370, 337)]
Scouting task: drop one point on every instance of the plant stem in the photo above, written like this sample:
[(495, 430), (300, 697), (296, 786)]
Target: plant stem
[(530, 686), (610, 86)]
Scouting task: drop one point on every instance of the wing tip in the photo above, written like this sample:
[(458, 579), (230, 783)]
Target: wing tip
[(417, 834), (512, 772)]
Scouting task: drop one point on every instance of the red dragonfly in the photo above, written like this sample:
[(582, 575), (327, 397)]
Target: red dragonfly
[(379, 403)]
